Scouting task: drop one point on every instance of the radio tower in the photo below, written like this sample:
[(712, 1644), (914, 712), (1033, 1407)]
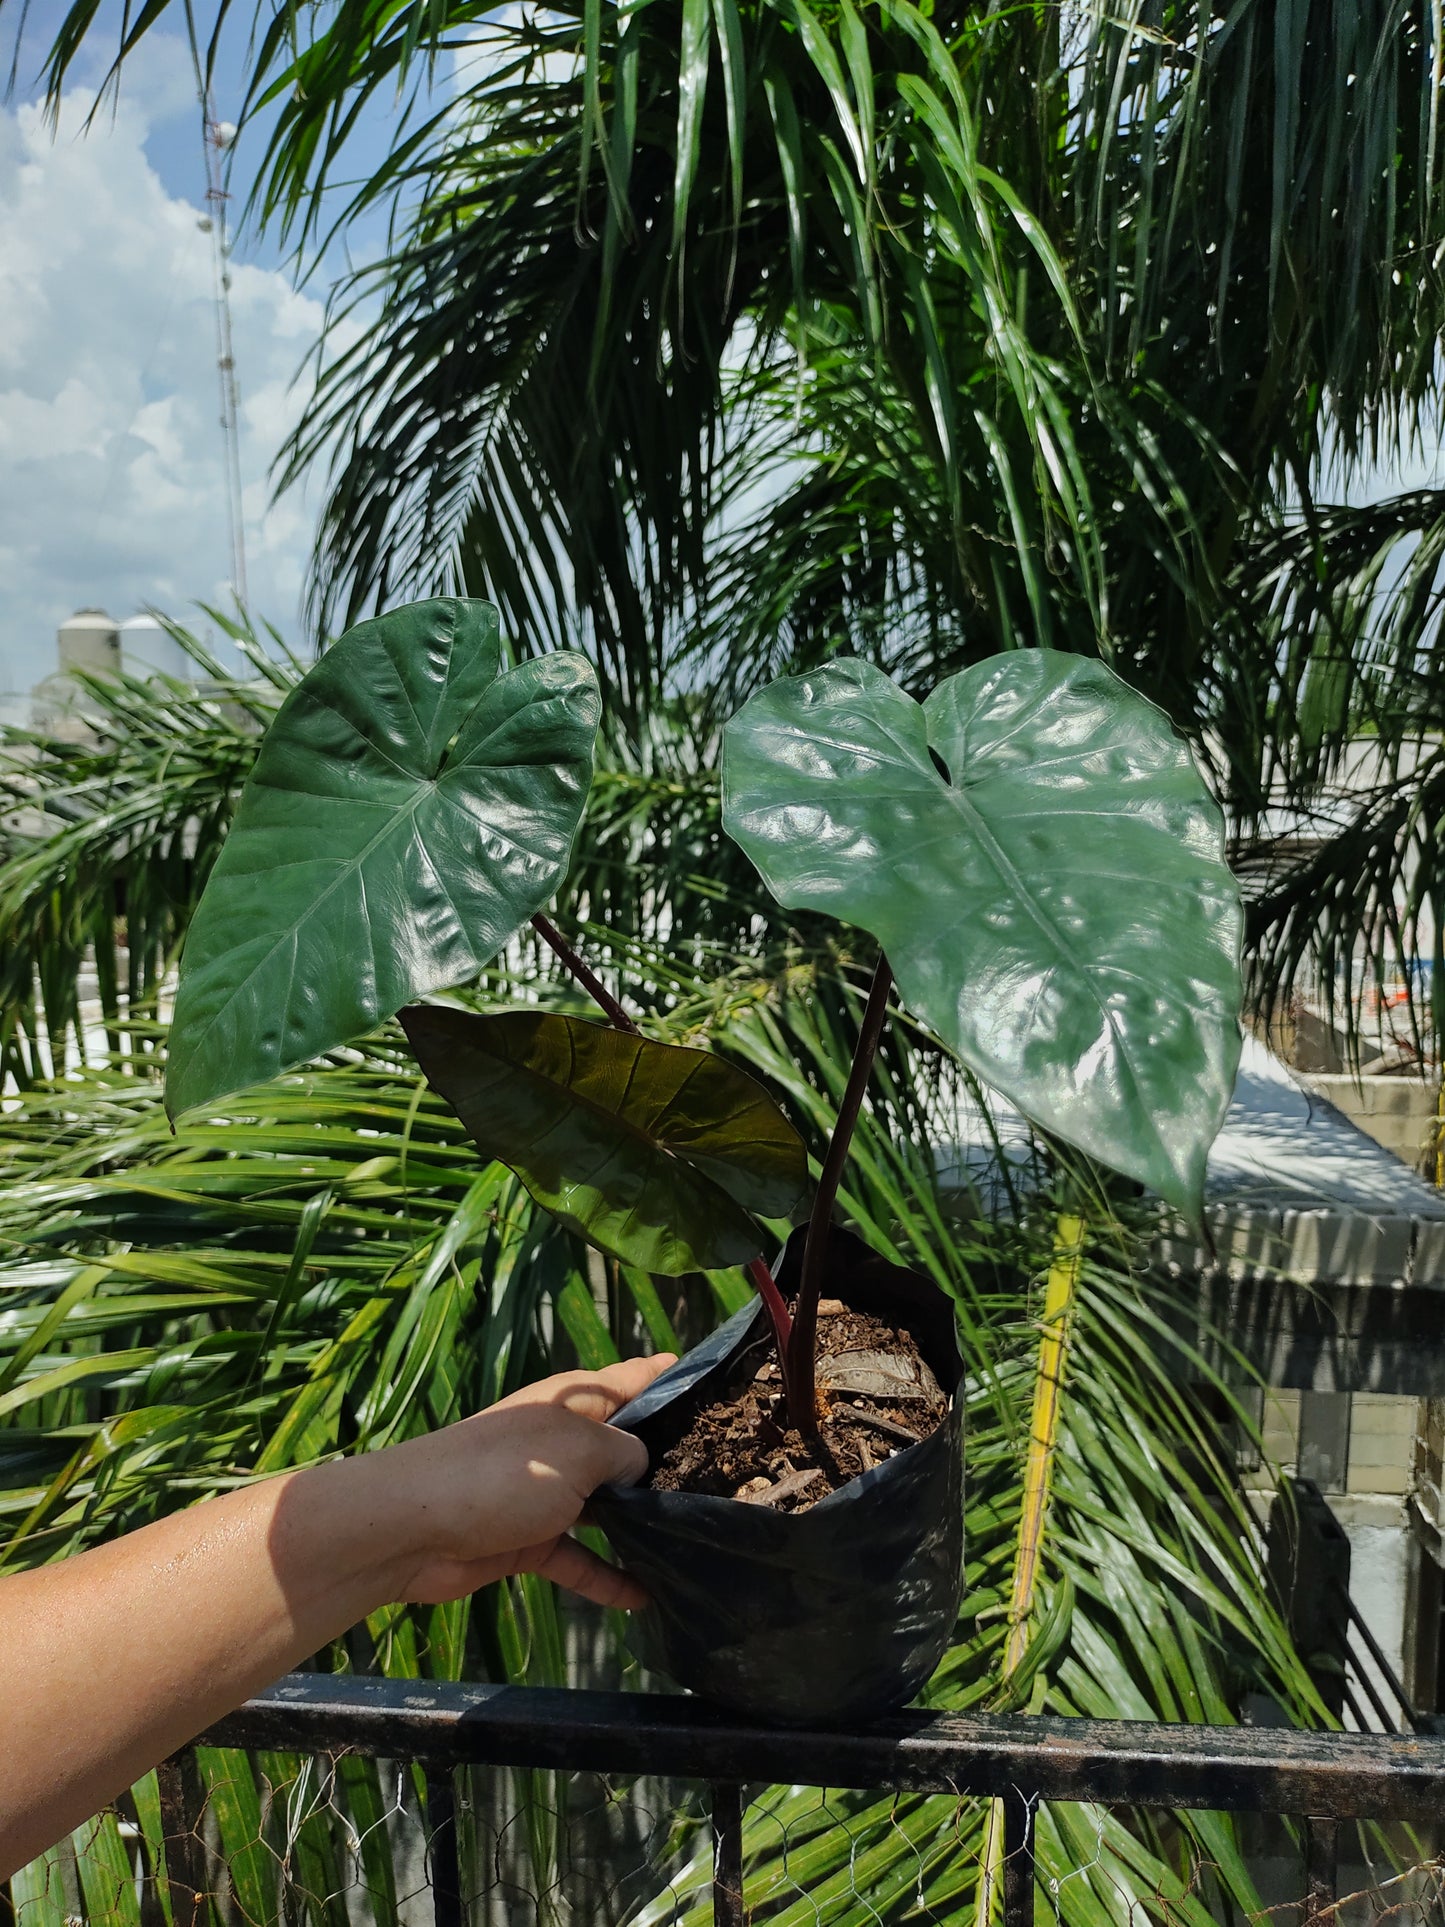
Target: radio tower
[(219, 135)]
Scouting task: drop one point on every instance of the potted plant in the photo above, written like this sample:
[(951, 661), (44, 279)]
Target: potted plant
[(1041, 865)]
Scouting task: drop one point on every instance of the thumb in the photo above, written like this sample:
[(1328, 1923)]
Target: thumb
[(624, 1457)]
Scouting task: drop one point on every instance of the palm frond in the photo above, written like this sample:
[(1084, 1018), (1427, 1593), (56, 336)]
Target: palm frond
[(1332, 768), (110, 824), (1259, 189), (542, 401)]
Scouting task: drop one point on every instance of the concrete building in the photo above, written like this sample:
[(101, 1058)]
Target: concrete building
[(89, 643), (149, 649), (1329, 1274)]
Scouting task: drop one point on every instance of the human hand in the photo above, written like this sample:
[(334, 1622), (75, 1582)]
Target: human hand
[(498, 1492)]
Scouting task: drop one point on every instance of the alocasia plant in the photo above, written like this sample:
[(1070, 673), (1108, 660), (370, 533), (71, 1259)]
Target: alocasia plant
[(1032, 847)]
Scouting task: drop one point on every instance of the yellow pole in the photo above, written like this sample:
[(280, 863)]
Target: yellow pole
[(1060, 1294)]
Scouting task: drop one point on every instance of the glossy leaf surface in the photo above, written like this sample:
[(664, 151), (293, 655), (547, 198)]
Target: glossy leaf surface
[(410, 807), (1038, 855), (655, 1152)]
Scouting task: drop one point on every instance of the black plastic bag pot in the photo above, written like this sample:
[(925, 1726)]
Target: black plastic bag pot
[(837, 1613)]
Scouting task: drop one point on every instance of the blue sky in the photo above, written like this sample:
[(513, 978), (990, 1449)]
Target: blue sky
[(160, 78), (111, 477)]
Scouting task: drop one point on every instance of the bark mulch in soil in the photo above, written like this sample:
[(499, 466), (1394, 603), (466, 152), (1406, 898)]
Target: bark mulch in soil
[(876, 1397)]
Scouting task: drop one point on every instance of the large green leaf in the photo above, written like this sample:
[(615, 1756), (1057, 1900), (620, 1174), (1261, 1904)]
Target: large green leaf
[(655, 1152), (1038, 855), (410, 808)]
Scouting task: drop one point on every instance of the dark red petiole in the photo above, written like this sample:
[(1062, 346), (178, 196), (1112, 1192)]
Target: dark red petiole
[(595, 988), (758, 1271), (799, 1376), (781, 1320)]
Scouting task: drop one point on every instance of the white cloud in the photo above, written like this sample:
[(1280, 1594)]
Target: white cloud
[(112, 487)]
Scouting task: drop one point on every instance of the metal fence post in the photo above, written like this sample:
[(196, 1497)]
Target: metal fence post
[(442, 1855), (179, 1784), (1322, 1858), (727, 1856), (1018, 1859)]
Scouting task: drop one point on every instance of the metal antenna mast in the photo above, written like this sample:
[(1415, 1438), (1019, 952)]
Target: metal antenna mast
[(219, 136)]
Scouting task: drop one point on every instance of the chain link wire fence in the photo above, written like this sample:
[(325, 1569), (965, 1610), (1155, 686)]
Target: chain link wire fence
[(225, 1838)]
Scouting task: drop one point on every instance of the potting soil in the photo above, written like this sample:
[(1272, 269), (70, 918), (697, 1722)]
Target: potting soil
[(876, 1396)]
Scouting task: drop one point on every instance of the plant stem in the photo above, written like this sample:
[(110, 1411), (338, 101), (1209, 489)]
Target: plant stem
[(780, 1319), (803, 1342), (771, 1296), (758, 1271), (594, 987), (1060, 1294)]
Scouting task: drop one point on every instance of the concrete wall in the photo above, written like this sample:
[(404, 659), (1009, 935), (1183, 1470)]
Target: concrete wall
[(1399, 1112), (1360, 1449), (1381, 1442)]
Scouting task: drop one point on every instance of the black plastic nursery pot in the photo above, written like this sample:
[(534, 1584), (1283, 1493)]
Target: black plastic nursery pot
[(837, 1613)]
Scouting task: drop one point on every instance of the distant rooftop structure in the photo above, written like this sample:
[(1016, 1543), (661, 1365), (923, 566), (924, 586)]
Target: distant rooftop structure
[(1329, 1264), (93, 642), (90, 639), (148, 648), (1285, 1147)]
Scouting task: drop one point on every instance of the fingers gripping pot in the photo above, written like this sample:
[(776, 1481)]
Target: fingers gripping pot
[(837, 1613)]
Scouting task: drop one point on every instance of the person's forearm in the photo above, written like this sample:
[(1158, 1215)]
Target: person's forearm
[(116, 1658)]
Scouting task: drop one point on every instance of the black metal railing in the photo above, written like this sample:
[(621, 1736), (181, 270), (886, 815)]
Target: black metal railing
[(1322, 1779), (1310, 1559), (1390, 1710)]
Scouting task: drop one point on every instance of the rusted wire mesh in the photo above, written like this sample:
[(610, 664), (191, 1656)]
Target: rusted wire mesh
[(223, 1838)]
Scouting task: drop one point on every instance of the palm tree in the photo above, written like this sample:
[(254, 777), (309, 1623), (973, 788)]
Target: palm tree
[(718, 336)]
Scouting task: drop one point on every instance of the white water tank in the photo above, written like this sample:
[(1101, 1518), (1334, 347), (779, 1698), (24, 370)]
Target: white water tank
[(90, 640), (146, 649)]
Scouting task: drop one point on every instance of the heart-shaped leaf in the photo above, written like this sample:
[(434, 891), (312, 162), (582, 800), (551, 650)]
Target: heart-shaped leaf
[(654, 1152), (410, 808), (1040, 860)]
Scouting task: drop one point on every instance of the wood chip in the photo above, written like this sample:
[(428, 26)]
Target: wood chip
[(888, 1425), (876, 1374), (831, 1308), (784, 1489), (752, 1489)]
